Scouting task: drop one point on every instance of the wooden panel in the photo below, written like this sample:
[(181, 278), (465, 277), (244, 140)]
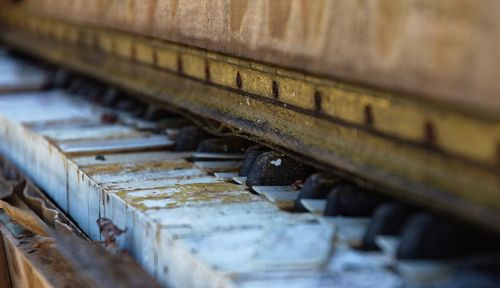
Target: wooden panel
[(446, 50), (4, 266)]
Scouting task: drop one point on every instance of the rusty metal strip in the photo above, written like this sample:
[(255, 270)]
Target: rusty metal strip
[(441, 157)]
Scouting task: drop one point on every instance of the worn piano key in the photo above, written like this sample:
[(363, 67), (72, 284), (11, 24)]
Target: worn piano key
[(388, 244), (283, 196), (240, 180), (120, 158), (217, 156), (172, 133), (316, 186), (48, 109), (18, 77), (219, 166), (425, 273), (315, 206), (388, 219), (289, 247), (225, 175), (43, 161), (350, 230), (142, 142), (89, 132)]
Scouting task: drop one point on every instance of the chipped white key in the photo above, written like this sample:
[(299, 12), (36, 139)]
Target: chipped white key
[(219, 166), (140, 124), (19, 77), (58, 109), (225, 175), (283, 196), (118, 158), (144, 125), (162, 181), (388, 244), (269, 190), (349, 230), (347, 258), (315, 206), (141, 176), (240, 180), (285, 247), (88, 132), (217, 156), (425, 271), (172, 133), (109, 145)]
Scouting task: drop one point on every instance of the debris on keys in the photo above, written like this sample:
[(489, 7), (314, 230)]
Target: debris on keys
[(110, 233), (297, 185)]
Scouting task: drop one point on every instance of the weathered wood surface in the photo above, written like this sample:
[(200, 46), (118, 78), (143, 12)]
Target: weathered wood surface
[(446, 50), (4, 266)]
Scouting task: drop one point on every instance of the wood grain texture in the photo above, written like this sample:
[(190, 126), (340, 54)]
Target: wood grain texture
[(444, 50), (4, 266)]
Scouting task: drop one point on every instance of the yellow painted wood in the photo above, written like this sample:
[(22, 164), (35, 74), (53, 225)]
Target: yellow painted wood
[(193, 65), (167, 59), (123, 46), (144, 52)]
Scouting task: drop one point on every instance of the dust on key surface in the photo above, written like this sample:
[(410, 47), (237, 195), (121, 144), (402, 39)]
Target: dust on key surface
[(158, 183), (88, 132), (131, 157), (138, 172), (193, 194), (175, 183), (174, 164)]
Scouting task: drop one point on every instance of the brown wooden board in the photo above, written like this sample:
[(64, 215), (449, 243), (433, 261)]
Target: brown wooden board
[(4, 267)]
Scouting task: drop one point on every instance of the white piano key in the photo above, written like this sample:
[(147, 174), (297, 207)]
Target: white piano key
[(425, 272), (217, 156), (283, 196), (349, 230), (88, 132), (240, 180), (225, 175), (219, 166), (315, 206), (109, 145), (16, 76), (134, 157), (388, 244)]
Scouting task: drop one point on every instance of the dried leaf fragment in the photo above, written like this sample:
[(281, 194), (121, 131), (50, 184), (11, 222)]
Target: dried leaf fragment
[(110, 232), (26, 218), (297, 185)]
